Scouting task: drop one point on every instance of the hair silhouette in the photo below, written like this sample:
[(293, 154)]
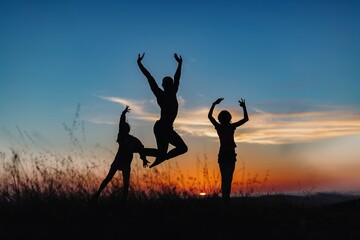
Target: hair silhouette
[(227, 155), (128, 145), (167, 101), (224, 117)]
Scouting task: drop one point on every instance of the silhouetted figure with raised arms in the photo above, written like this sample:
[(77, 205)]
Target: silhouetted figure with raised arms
[(128, 145), (227, 155), (167, 101)]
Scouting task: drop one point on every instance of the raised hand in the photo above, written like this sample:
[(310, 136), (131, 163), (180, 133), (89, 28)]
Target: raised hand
[(140, 57), (178, 58), (127, 109), (218, 100), (145, 162), (242, 102)]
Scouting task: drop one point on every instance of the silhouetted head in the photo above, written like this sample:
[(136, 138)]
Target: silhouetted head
[(224, 117), (167, 83)]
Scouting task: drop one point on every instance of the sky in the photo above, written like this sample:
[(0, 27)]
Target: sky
[(296, 63)]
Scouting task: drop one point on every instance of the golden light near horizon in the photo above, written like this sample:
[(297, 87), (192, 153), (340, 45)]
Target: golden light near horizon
[(296, 66)]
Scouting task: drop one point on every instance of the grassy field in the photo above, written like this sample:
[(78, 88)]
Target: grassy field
[(171, 217), (45, 194), (46, 202)]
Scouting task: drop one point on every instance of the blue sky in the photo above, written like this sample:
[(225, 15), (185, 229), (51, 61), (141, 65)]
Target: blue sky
[(295, 62)]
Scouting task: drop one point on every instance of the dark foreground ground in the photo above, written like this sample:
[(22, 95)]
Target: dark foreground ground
[(270, 217)]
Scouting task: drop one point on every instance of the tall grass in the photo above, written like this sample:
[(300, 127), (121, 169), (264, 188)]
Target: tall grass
[(42, 194), (251, 185), (31, 171)]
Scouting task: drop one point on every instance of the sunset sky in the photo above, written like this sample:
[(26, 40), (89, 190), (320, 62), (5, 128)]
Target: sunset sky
[(297, 64)]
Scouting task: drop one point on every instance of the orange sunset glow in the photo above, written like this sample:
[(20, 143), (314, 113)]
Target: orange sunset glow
[(68, 72)]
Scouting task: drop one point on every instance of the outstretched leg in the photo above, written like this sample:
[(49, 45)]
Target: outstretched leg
[(162, 132), (107, 179), (161, 152), (152, 152), (178, 143)]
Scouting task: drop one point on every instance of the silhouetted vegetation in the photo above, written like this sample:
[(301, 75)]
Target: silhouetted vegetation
[(45, 194)]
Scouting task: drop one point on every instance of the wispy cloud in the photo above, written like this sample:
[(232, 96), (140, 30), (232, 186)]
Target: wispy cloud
[(277, 128), (281, 128), (138, 109), (98, 120), (264, 127), (137, 106)]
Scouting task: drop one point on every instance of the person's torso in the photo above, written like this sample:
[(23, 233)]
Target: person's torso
[(226, 137), (169, 107), (127, 146)]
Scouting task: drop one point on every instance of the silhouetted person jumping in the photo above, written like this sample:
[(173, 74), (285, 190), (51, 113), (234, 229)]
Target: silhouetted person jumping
[(227, 156), (166, 99), (128, 145)]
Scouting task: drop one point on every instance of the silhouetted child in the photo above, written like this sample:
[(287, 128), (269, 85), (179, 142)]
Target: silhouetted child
[(227, 155), (128, 145), (167, 101)]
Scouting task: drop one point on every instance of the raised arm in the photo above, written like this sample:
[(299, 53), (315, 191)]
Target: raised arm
[(123, 117), (153, 85), (123, 129), (178, 72), (246, 117), (139, 148), (210, 114)]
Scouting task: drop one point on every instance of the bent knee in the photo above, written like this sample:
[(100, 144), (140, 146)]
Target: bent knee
[(184, 148)]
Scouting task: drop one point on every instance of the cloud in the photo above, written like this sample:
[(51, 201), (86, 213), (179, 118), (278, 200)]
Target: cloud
[(138, 109), (97, 120), (280, 128), (137, 106), (264, 127), (276, 128)]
